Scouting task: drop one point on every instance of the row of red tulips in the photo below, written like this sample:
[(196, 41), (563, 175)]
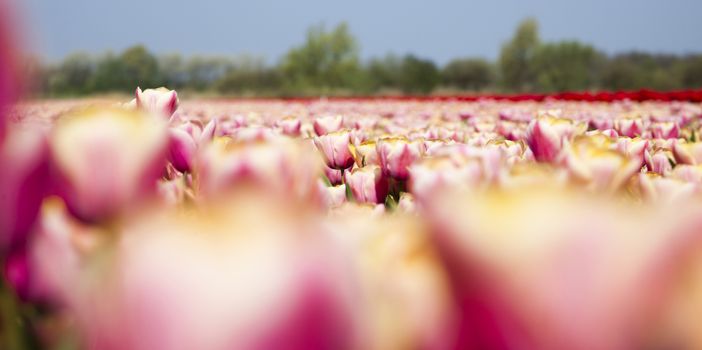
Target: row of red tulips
[(691, 95)]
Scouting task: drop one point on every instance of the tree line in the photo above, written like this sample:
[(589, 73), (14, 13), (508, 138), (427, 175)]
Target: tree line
[(328, 63)]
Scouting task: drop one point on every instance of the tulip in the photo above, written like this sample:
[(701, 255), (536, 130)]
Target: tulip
[(290, 126), (408, 301), (334, 176), (182, 150), (367, 184), (670, 130), (107, 160), (664, 191), (334, 148), (333, 196), (208, 132), (365, 153), (287, 168), (598, 166), (161, 101), (659, 162), (589, 270), (328, 124), (545, 137), (23, 184), (251, 274), (629, 127), (687, 153), (397, 154)]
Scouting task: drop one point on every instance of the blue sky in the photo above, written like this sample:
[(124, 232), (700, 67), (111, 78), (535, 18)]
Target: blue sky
[(440, 29)]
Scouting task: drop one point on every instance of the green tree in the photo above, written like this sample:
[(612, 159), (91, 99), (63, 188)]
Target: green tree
[(516, 57), (637, 70), (468, 74), (566, 66), (249, 75), (109, 74), (692, 72), (385, 72), (418, 75), (140, 68), (72, 76), (134, 67), (327, 60)]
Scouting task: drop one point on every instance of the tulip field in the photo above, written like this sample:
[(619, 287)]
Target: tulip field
[(166, 223)]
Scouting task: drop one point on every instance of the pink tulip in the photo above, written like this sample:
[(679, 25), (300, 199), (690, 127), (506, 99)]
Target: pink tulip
[(161, 101), (333, 196), (597, 165), (545, 137), (670, 130), (182, 150), (367, 184), (249, 275), (328, 124), (397, 154), (334, 176), (659, 162), (286, 168), (208, 132), (664, 191), (590, 272), (290, 126), (687, 153), (107, 160), (365, 153), (629, 127), (23, 184), (334, 148)]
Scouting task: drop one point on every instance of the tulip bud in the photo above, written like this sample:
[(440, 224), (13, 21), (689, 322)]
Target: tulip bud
[(208, 133), (333, 175), (397, 154), (159, 101), (545, 137), (290, 126), (367, 184), (333, 196), (182, 150), (107, 160), (629, 127), (328, 124), (334, 147), (659, 162), (669, 130)]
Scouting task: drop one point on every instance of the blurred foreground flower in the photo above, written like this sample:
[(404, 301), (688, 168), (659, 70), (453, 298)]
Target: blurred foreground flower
[(107, 160), (248, 274)]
